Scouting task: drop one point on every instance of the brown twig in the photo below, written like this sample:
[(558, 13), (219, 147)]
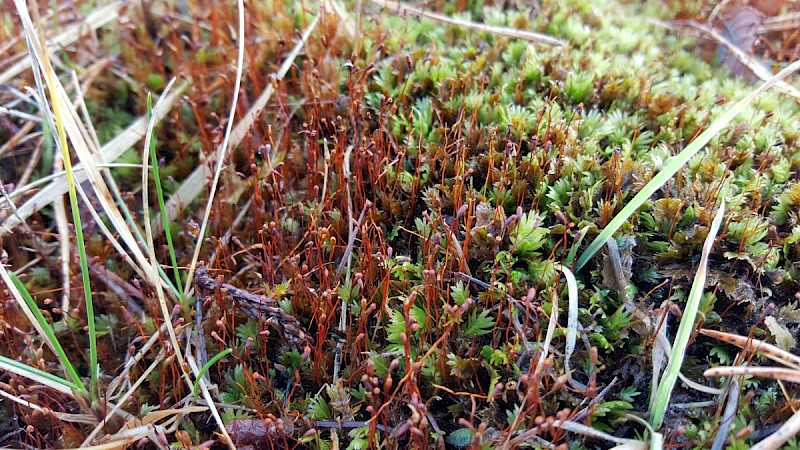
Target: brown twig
[(255, 306)]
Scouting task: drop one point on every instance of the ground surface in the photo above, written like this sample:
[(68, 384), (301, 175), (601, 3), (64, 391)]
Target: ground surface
[(383, 261)]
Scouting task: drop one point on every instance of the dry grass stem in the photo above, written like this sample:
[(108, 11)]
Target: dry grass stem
[(403, 8), (98, 18), (754, 345), (110, 152)]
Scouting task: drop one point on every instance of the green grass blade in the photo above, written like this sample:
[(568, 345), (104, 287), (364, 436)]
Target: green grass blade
[(686, 326), (49, 333), (160, 194), (208, 365), (87, 292), (39, 376), (574, 249), (674, 165), (135, 231), (79, 240)]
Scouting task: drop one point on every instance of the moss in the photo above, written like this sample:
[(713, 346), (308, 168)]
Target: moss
[(477, 164)]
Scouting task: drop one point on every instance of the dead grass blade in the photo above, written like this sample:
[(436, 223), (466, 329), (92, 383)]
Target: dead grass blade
[(96, 19), (787, 431), (572, 322), (777, 373), (45, 180), (210, 401), (501, 31), (62, 226), (72, 127), (579, 428), (132, 362), (156, 416), (18, 136), (791, 373), (88, 419), (661, 348), (121, 443), (110, 152), (731, 406), (748, 61), (19, 114), (763, 348), (121, 401), (528, 436)]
